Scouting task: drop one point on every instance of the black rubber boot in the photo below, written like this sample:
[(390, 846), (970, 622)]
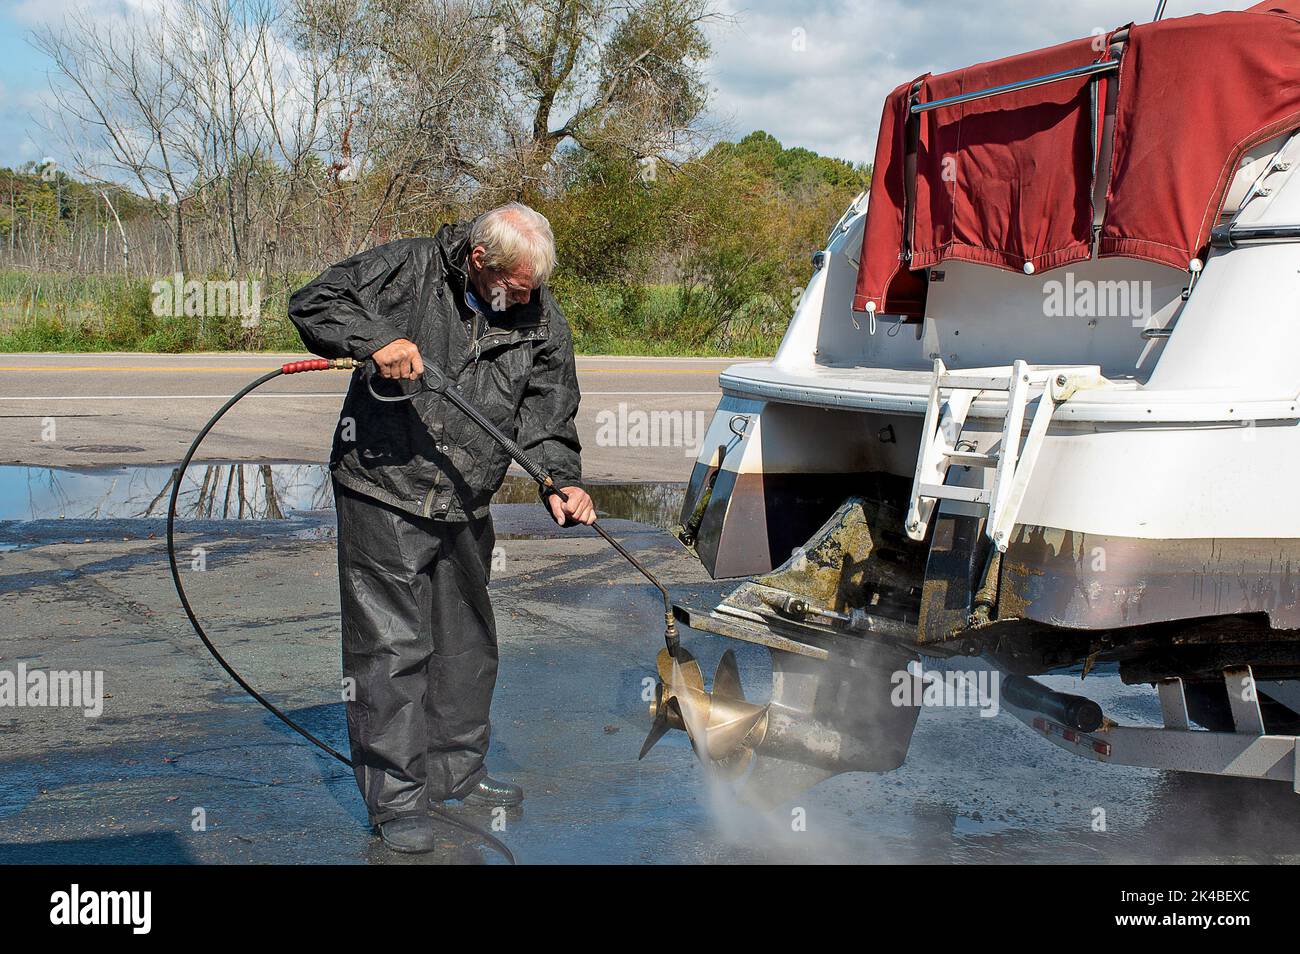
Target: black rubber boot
[(491, 791), (409, 834)]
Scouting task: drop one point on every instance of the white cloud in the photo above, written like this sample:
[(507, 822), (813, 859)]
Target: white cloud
[(828, 96), (23, 138), (35, 13)]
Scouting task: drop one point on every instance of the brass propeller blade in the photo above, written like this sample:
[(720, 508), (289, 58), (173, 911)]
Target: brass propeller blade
[(684, 675), (733, 766), (731, 727), (726, 681), (658, 729), (735, 756), (674, 707)]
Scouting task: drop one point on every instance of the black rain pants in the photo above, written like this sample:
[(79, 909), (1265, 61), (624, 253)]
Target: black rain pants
[(419, 652)]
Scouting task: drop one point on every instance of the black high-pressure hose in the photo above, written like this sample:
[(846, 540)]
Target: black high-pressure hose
[(292, 368), (435, 381)]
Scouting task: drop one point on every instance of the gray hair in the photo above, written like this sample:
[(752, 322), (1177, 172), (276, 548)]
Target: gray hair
[(512, 234)]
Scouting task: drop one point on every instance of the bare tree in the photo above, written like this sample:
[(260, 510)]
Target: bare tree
[(120, 99), (269, 133), (624, 76), (413, 117), (207, 106)]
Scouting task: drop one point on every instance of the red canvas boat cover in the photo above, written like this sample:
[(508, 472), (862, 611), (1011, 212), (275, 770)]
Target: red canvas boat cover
[(884, 281), (1195, 94), (1008, 180), (1001, 181)]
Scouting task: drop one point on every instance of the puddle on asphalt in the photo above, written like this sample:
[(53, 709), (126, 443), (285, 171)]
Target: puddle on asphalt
[(975, 825), (238, 491)]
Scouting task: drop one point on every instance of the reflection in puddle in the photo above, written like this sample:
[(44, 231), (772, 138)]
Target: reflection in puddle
[(658, 505), (209, 492), (234, 491)]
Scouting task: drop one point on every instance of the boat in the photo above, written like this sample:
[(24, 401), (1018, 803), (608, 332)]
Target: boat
[(1036, 413)]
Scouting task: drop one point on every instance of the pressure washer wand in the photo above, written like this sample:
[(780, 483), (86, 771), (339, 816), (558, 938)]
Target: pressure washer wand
[(435, 381)]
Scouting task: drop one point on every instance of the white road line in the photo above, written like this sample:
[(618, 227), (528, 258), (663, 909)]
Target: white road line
[(141, 357), (173, 397), (290, 394)]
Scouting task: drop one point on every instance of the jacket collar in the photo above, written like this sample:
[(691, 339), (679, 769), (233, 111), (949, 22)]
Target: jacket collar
[(453, 244)]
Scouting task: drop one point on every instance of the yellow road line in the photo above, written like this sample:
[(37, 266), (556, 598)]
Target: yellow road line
[(245, 369), (143, 369)]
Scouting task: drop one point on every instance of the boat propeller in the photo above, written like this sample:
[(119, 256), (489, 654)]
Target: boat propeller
[(835, 704), (724, 728)]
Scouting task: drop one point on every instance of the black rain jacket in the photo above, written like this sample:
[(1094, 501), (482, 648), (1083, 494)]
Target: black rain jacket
[(516, 366)]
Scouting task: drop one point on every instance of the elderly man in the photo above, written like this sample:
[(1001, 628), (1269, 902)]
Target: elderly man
[(412, 483)]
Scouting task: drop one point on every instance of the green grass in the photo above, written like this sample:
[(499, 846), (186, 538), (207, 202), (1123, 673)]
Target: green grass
[(644, 320), (757, 346), (63, 312)]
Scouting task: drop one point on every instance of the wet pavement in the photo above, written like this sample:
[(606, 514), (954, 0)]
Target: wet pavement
[(263, 491), (181, 767)]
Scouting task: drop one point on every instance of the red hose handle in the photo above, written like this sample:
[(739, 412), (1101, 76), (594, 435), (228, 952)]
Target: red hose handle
[(318, 364)]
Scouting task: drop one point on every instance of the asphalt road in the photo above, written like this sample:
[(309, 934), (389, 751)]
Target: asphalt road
[(88, 410), (180, 767)]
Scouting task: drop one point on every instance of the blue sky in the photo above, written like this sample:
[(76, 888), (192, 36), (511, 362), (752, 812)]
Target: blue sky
[(820, 88), (22, 78)]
